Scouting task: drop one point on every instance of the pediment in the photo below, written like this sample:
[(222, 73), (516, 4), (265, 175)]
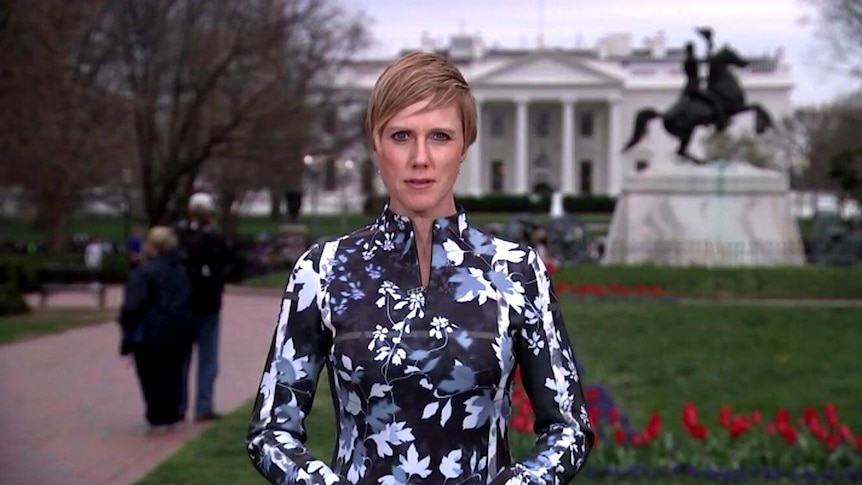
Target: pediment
[(545, 69)]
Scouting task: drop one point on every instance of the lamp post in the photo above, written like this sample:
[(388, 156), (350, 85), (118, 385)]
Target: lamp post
[(126, 177), (313, 174)]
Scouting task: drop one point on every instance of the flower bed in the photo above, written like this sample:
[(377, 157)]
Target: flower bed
[(737, 446)]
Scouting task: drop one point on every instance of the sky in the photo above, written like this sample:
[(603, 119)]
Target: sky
[(753, 27)]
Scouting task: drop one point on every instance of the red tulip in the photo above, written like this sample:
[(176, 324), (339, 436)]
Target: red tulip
[(859, 442), (637, 440), (818, 431), (697, 431), (739, 425), (654, 427), (809, 415), (620, 436), (592, 394), (756, 418), (782, 416), (846, 433), (689, 414), (789, 435), (519, 396), (770, 428), (519, 422), (831, 415), (593, 414), (832, 442), (724, 416), (614, 416)]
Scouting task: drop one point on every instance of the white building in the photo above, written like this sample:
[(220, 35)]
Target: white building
[(561, 116)]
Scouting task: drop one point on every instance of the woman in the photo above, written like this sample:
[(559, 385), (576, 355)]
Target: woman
[(156, 321), (420, 319)]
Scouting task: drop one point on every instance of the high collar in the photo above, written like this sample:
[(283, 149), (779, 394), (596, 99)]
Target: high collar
[(397, 224)]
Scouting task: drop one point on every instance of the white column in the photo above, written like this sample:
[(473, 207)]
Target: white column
[(615, 170), (475, 169), (567, 169), (521, 128)]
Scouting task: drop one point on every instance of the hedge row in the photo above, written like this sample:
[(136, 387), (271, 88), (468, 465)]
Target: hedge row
[(537, 203), (21, 271)]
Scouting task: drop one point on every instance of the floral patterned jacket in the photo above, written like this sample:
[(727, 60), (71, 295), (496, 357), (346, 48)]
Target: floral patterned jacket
[(421, 376)]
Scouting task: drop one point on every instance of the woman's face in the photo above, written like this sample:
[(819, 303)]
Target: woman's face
[(420, 153)]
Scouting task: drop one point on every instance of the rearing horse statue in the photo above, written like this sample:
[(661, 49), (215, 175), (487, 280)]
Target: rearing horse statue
[(681, 119)]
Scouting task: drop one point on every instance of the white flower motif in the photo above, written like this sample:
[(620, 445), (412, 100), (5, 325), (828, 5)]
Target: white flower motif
[(440, 326), (534, 341), (398, 356)]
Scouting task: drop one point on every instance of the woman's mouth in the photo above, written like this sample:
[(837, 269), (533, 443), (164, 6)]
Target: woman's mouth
[(419, 183)]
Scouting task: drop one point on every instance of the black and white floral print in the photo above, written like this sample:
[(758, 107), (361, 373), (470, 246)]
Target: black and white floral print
[(421, 376)]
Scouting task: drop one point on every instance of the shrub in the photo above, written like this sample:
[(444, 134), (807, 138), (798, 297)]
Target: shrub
[(11, 301)]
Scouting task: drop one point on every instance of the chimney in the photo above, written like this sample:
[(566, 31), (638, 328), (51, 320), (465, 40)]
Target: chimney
[(658, 45)]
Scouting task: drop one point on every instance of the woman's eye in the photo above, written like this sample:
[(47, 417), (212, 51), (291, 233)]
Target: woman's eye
[(440, 136), (400, 136)]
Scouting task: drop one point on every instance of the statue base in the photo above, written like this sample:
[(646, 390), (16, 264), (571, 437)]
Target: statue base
[(721, 214)]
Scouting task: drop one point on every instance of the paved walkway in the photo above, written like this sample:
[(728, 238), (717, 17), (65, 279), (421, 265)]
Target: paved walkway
[(71, 411)]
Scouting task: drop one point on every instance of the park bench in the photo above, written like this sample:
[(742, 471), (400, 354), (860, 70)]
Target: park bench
[(65, 278)]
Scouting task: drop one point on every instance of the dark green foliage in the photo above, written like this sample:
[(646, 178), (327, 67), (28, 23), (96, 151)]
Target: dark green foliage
[(26, 267), (536, 203)]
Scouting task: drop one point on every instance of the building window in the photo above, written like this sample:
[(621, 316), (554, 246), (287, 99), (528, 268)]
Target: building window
[(498, 129), (586, 176), (641, 165), (542, 124), (498, 176), (586, 124)]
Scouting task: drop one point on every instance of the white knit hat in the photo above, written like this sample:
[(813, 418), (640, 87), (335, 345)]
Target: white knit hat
[(202, 202)]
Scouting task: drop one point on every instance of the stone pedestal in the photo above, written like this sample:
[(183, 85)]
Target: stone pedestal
[(721, 214), (557, 209)]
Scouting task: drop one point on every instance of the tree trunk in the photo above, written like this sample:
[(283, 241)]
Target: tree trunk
[(229, 218), (51, 216), (275, 194)]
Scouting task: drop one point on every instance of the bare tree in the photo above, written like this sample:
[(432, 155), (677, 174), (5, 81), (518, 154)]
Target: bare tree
[(811, 138), (840, 25), (60, 132), (230, 80)]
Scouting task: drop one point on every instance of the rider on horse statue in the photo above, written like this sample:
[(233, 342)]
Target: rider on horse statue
[(722, 99), (693, 86)]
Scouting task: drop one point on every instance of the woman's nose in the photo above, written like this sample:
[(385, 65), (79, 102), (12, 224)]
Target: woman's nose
[(421, 157)]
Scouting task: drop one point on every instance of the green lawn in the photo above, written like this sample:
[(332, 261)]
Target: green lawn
[(40, 322), (653, 357)]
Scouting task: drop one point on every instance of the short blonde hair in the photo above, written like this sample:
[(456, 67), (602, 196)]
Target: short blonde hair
[(412, 78), (162, 239)]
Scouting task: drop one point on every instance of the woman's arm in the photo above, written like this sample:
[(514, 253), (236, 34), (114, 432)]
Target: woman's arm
[(276, 436), (550, 378)]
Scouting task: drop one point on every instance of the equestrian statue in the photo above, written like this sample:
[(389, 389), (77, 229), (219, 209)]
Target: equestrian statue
[(714, 106)]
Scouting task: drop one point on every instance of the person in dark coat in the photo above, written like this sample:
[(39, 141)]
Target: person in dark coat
[(157, 325), (206, 256)]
